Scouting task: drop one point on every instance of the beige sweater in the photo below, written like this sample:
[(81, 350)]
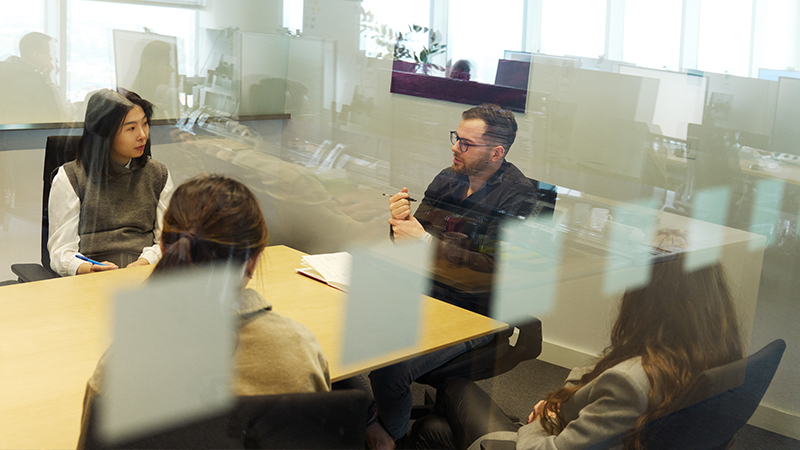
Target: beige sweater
[(274, 355)]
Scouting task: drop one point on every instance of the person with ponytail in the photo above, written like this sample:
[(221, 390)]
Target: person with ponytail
[(666, 333), (107, 204), (216, 220)]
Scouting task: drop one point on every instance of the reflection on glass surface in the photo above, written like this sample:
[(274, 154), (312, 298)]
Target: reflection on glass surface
[(27, 82), (573, 27), (725, 36), (643, 22), (632, 146), (16, 22), (147, 64), (485, 49), (91, 45)]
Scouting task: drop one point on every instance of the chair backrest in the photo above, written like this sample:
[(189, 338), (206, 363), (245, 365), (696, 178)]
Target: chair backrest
[(309, 420), (58, 151), (502, 354), (547, 195), (545, 198), (711, 424)]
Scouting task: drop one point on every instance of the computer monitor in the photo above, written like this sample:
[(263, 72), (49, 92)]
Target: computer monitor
[(680, 100), (517, 56), (740, 103), (602, 64), (512, 73), (775, 75), (786, 133), (147, 64), (261, 73), (595, 118)]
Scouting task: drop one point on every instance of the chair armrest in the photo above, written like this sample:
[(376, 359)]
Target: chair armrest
[(492, 444), (32, 272)]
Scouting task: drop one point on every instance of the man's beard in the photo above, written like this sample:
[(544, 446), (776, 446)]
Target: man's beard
[(474, 168)]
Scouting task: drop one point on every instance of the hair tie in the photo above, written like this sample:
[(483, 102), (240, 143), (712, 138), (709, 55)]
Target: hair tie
[(188, 235), (186, 242)]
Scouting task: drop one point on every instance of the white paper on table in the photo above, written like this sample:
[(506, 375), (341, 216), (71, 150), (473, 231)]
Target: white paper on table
[(330, 268)]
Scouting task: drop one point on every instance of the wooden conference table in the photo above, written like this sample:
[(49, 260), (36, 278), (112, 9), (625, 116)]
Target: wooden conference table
[(53, 332)]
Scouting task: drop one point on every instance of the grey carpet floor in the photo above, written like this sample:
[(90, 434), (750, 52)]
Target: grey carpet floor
[(518, 390)]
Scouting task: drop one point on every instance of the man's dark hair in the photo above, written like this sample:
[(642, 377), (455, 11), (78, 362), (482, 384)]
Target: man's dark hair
[(501, 126), (33, 42)]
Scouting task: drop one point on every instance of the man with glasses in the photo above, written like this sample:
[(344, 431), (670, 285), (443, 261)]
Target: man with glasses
[(471, 197)]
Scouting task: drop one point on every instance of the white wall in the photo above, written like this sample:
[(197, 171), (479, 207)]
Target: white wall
[(258, 16)]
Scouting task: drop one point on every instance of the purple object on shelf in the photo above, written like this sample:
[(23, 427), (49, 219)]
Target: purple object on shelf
[(454, 90)]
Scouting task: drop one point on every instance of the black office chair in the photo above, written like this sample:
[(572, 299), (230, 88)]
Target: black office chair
[(518, 343), (715, 406), (546, 196), (712, 162), (59, 150), (309, 420)]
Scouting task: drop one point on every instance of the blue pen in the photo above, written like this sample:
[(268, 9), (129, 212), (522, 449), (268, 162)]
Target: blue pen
[(90, 260)]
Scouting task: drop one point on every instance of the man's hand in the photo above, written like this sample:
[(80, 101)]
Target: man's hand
[(405, 229), (139, 262), (399, 205), (88, 268)]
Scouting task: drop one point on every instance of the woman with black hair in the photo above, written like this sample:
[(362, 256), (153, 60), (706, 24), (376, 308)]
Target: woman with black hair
[(108, 203)]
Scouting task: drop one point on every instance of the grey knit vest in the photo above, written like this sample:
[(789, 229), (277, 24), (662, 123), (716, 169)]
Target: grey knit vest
[(118, 214)]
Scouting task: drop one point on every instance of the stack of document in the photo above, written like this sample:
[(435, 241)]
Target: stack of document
[(332, 269)]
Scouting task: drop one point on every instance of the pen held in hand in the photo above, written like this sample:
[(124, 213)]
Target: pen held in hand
[(409, 198), (81, 257)]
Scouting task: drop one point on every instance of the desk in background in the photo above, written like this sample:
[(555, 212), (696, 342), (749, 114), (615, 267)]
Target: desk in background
[(53, 332), (789, 173), (581, 317)]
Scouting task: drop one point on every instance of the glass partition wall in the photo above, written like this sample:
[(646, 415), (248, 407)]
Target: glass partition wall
[(644, 118)]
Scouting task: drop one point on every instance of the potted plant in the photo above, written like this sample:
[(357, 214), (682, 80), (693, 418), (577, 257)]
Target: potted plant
[(403, 46)]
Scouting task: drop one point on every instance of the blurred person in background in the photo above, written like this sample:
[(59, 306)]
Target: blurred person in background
[(28, 93)]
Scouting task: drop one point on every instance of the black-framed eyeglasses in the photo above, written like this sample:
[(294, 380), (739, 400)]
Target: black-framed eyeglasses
[(464, 146)]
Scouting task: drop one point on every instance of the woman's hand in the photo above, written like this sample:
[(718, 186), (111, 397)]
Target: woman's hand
[(537, 410), (139, 262), (89, 268)]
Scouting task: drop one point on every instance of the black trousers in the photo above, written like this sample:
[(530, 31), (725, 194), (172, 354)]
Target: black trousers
[(464, 412)]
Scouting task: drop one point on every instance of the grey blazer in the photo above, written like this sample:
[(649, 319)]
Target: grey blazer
[(606, 407)]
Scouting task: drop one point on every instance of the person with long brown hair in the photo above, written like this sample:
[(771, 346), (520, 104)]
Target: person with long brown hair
[(216, 220), (665, 335)]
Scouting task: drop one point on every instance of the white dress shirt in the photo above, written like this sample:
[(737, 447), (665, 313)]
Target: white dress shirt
[(64, 215)]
